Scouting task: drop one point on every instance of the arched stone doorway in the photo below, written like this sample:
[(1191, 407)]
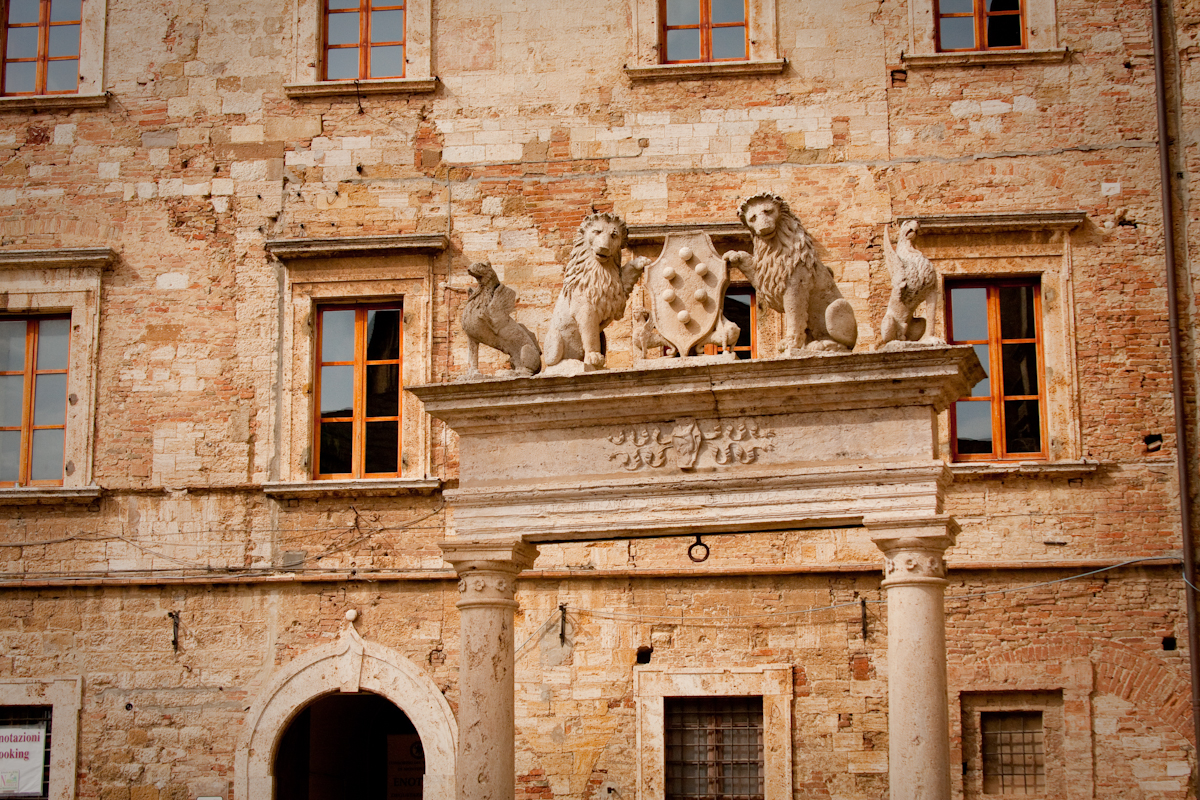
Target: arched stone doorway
[(348, 668)]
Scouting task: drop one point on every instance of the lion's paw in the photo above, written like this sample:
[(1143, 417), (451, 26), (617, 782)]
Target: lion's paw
[(593, 360)]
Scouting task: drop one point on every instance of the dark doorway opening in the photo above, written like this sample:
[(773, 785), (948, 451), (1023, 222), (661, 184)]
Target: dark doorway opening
[(349, 745)]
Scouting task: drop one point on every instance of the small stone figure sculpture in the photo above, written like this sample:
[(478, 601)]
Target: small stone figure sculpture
[(913, 281), (791, 279), (596, 287), (725, 336), (646, 336), (487, 319)]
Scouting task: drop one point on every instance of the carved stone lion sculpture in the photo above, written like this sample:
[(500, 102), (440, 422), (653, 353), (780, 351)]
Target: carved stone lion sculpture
[(487, 319), (913, 281), (790, 278), (596, 287)]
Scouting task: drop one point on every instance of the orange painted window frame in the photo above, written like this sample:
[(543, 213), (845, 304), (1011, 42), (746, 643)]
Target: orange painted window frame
[(358, 417), (750, 349), (30, 374), (43, 58), (981, 16), (364, 43), (994, 369), (705, 27)]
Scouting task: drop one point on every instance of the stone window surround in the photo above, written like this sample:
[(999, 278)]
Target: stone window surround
[(347, 269), (90, 93), (1041, 25), (65, 697), (418, 56), (771, 681), (763, 58), (63, 280), (988, 259)]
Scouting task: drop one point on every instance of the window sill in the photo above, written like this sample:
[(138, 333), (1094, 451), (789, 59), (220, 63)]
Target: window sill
[(304, 91), (48, 495), (1045, 469), (373, 487), (983, 58), (722, 69), (53, 102)]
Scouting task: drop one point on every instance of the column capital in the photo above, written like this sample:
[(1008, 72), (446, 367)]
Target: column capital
[(913, 547), (488, 568)]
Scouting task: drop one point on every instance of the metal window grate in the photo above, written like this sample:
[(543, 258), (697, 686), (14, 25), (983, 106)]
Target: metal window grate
[(1014, 759), (714, 748), (32, 716)]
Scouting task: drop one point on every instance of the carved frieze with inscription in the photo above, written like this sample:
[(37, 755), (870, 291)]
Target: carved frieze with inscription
[(734, 441)]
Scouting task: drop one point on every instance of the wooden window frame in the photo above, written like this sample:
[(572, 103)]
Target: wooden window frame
[(43, 58), (358, 418), (995, 368), (705, 26), (981, 16), (364, 44), (752, 348), (30, 375)]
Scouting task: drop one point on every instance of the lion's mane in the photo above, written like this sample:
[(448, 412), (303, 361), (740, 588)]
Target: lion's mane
[(595, 282), (776, 259)]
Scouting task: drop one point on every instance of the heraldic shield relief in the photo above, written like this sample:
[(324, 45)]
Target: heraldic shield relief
[(686, 286)]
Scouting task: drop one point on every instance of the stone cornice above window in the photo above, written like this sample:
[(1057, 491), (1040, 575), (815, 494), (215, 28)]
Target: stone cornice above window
[(993, 223), (58, 258), (303, 91), (715, 69), (357, 246), (982, 58), (53, 102)]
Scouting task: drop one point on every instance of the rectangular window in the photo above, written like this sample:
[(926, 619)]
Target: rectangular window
[(1014, 758), (714, 748), (1004, 416), (703, 30), (363, 39), (41, 46), (980, 25), (358, 391), (26, 730), (741, 309), (33, 399)]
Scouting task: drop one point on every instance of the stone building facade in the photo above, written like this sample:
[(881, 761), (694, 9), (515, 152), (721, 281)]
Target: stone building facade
[(184, 222)]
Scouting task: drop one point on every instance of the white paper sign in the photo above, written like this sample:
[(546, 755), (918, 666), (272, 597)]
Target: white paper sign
[(22, 760)]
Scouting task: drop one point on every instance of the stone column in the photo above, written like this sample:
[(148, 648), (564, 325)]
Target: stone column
[(918, 711), (487, 572)]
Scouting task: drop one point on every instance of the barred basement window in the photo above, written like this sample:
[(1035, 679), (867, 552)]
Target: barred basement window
[(41, 46), (714, 748), (34, 354), (1014, 759), (363, 39), (703, 30), (359, 353), (980, 25), (20, 722)]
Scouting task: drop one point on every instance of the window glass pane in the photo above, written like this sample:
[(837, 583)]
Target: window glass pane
[(341, 64), (47, 460), (957, 33), (683, 12), (337, 391), (65, 10), (382, 447), (12, 396), (22, 43), (343, 28), (337, 335), (683, 45), (984, 387), (53, 337), (383, 334), (335, 5), (336, 447), (50, 399), (383, 390), (1017, 313), (387, 26), (22, 11), (10, 456), (64, 40), (728, 11), (20, 77), (62, 76), (968, 309), (12, 345), (1003, 5), (729, 42), (973, 427), (387, 62), (1004, 31), (1020, 369), (1022, 426), (956, 6)]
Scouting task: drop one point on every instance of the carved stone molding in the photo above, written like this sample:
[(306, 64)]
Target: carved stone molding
[(734, 441), (918, 564), (914, 549), (488, 569)]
